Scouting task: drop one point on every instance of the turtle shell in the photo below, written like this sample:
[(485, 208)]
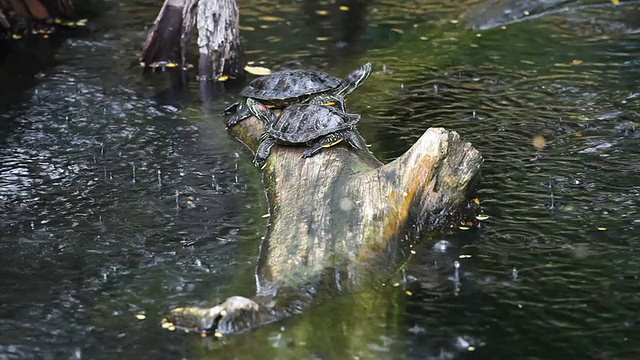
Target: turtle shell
[(290, 85), (301, 123)]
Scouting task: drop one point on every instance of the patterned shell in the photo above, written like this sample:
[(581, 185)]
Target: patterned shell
[(290, 84), (300, 123)]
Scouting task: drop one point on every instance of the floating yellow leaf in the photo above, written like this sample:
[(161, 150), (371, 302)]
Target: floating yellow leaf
[(615, 2), (344, 8), (399, 31), (538, 142), (16, 36), (576, 62), (453, 21), (578, 134), (220, 78), (270, 18), (166, 324), (602, 228), (171, 328), (247, 28), (82, 22), (322, 38), (408, 292), (266, 216), (257, 70), (203, 335), (141, 316), (477, 201), (464, 228), (526, 13), (218, 334), (482, 217), (322, 12)]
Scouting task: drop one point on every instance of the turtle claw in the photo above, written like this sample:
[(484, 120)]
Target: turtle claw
[(236, 314)]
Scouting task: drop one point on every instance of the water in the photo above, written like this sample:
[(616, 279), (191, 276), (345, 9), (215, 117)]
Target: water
[(121, 197)]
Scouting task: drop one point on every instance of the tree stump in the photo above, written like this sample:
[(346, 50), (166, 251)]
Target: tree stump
[(341, 219)]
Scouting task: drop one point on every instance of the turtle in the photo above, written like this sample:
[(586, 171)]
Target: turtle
[(287, 87), (315, 125)]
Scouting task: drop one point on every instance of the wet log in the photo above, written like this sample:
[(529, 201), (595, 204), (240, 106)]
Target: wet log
[(340, 220)]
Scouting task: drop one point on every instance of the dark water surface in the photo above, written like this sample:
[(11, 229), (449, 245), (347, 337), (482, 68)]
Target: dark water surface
[(121, 196)]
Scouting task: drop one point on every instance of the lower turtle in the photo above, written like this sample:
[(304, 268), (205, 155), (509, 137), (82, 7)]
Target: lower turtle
[(314, 125), (283, 88)]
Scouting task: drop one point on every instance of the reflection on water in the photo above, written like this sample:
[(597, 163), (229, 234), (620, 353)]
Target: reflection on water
[(119, 197)]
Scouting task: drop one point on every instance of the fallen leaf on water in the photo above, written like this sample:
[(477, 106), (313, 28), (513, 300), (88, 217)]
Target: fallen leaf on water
[(602, 228), (399, 31), (257, 70), (322, 12), (344, 8), (576, 62), (141, 316), (538, 142), (270, 18), (615, 2)]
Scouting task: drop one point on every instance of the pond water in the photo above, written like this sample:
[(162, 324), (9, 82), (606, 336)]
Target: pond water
[(122, 195)]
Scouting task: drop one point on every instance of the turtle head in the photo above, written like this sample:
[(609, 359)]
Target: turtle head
[(260, 111), (355, 79)]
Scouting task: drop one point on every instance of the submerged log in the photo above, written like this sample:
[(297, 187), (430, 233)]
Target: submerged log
[(341, 219)]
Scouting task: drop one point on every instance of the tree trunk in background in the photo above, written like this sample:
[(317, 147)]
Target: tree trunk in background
[(166, 43), (219, 40)]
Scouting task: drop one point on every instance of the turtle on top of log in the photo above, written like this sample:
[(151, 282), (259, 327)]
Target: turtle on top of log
[(319, 126), (288, 87)]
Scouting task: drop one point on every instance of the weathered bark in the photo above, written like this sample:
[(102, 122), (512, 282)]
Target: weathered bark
[(168, 38), (219, 40), (341, 219)]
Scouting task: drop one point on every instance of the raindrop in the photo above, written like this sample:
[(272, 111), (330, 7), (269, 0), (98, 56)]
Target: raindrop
[(177, 199), (159, 178), (442, 245), (514, 273), (133, 167)]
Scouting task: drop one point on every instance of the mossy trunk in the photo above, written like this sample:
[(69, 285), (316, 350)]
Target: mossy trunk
[(341, 219)]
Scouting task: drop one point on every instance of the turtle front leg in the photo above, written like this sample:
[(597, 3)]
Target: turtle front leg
[(329, 100), (323, 142), (231, 108), (263, 150), (242, 112), (354, 139)]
